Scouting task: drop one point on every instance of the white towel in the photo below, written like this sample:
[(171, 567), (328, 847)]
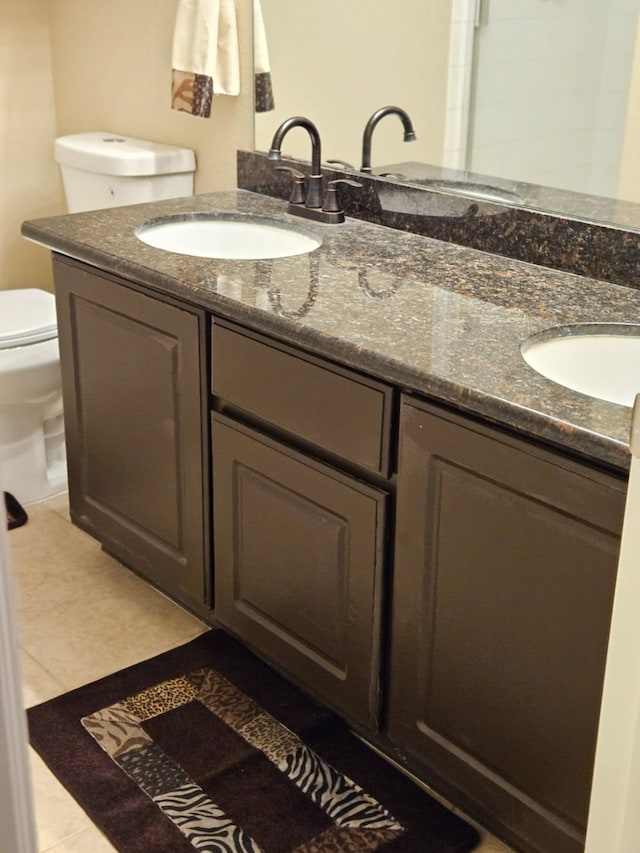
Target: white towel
[(261, 65), (205, 57)]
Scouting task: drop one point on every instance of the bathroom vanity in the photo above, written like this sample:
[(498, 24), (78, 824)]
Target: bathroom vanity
[(342, 458)]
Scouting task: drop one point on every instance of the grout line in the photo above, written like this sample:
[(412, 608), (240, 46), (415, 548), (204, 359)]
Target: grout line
[(63, 841), (57, 682)]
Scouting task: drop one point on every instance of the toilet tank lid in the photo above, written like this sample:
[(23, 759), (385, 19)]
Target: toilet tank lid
[(112, 154), (27, 316)]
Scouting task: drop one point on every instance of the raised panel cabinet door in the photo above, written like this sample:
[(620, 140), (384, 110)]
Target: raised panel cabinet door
[(505, 568), (132, 403), (298, 551)]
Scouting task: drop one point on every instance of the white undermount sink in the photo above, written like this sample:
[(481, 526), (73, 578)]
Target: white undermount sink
[(601, 360), (232, 237)]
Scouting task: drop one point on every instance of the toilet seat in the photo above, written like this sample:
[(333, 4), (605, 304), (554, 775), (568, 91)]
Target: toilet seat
[(26, 317)]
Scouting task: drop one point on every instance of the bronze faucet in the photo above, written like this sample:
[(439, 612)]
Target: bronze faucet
[(409, 133), (313, 198), (307, 195)]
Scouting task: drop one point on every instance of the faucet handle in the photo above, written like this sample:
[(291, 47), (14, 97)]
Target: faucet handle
[(297, 190), (331, 196)]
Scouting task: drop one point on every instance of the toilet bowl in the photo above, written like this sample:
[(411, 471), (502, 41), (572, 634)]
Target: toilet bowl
[(99, 170), (32, 450)]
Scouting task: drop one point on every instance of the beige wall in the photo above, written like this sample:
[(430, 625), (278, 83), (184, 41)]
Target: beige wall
[(29, 184), (68, 66), (112, 71), (629, 186), (337, 62)]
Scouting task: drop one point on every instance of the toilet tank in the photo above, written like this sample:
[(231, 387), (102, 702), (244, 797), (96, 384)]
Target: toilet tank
[(101, 169)]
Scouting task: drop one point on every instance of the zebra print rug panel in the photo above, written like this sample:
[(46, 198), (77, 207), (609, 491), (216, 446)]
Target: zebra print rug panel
[(360, 823)]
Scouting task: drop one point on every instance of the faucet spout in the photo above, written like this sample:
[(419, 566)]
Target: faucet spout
[(409, 133), (314, 182), (275, 152)]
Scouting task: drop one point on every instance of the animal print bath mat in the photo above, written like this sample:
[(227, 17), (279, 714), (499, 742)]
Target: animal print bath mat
[(204, 748)]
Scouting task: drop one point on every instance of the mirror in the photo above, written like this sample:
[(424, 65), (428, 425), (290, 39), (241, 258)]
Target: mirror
[(534, 103)]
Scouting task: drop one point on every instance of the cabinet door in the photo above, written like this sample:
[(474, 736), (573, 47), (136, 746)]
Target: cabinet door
[(298, 551), (505, 569), (132, 404)]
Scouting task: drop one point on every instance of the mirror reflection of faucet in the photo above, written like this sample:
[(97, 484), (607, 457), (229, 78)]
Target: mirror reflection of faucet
[(308, 197), (363, 281), (409, 133), (264, 276)]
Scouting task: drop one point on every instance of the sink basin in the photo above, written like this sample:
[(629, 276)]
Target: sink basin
[(226, 236), (598, 359), (482, 192)]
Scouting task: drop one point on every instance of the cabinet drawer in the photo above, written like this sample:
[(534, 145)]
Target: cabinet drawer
[(331, 408)]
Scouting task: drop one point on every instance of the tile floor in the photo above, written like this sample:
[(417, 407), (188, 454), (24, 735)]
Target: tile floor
[(71, 596)]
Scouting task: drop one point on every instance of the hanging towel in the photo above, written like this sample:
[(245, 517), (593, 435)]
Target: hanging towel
[(205, 58), (261, 66)]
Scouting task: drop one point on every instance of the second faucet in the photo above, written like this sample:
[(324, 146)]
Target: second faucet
[(409, 133)]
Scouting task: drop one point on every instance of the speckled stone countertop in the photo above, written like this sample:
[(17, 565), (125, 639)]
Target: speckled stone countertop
[(433, 317)]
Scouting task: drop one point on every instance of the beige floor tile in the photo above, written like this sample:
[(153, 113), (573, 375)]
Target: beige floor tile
[(128, 621), (71, 571), (82, 614), (57, 503), (35, 511), (58, 816), (38, 685), (51, 559), (89, 840)]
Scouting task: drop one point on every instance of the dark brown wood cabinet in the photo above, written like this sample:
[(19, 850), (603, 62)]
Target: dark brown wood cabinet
[(137, 443), (334, 412), (505, 566), (469, 642), (300, 542), (299, 557)]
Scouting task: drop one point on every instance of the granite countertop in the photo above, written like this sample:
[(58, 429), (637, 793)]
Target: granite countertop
[(433, 317)]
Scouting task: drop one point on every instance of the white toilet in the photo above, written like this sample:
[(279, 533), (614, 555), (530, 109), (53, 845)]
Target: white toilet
[(32, 457), (99, 170)]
